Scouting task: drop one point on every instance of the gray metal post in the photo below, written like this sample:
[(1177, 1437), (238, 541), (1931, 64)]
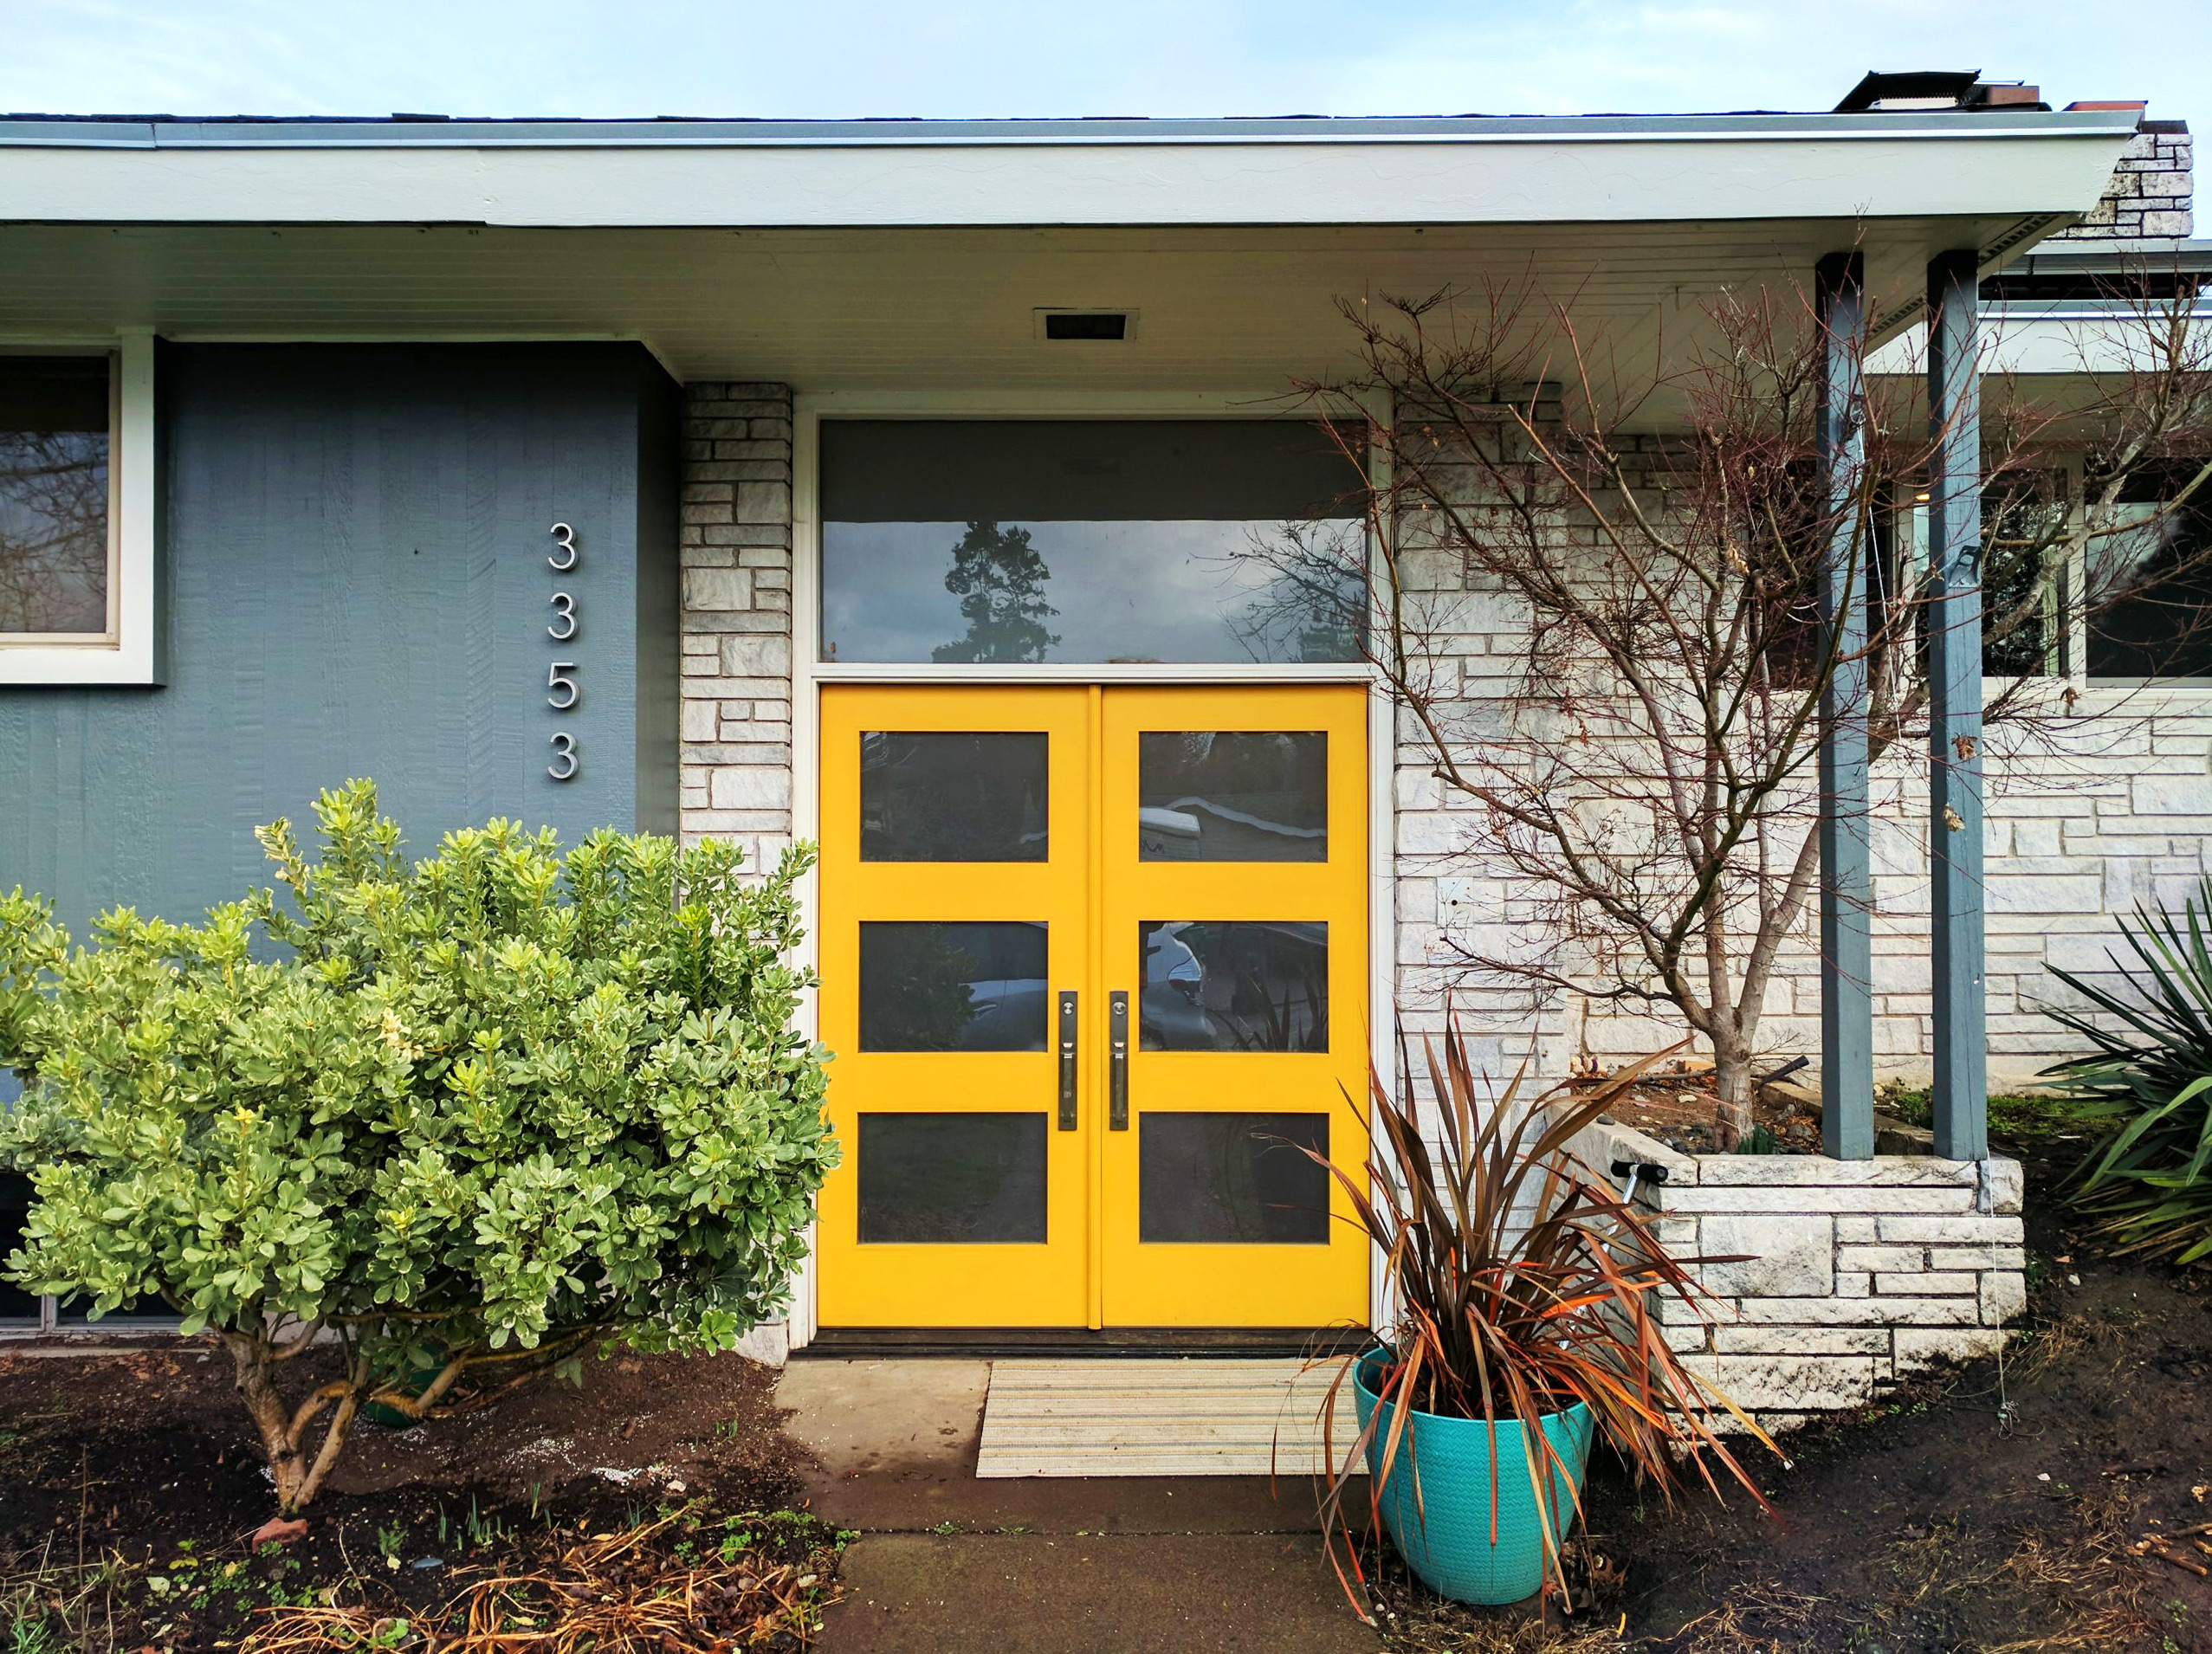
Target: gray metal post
[(1846, 886), (1955, 705)]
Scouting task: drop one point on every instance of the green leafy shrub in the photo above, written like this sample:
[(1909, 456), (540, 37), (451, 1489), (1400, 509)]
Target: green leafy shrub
[(2148, 1082), (476, 1116)]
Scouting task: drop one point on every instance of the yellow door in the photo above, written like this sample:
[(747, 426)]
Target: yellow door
[(1235, 919), (955, 878), (1093, 965)]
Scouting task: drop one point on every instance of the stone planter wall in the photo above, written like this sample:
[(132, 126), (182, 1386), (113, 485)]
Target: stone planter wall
[(1859, 1274)]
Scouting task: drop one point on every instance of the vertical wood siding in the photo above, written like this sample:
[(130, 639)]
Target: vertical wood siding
[(354, 540)]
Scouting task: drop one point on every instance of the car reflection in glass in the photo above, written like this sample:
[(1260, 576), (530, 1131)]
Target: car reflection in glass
[(1240, 985)]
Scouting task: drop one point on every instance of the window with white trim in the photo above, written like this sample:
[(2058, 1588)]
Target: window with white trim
[(76, 513)]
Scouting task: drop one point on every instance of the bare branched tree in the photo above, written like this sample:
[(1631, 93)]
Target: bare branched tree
[(1593, 597)]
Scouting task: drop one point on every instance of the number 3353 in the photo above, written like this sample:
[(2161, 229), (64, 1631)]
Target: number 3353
[(563, 692)]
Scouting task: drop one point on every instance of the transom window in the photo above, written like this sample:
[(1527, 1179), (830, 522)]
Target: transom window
[(993, 542)]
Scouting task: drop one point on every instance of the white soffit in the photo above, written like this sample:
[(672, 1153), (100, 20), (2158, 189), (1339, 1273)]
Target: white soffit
[(1473, 171)]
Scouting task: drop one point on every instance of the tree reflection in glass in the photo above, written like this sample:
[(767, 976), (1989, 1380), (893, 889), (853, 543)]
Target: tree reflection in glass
[(54, 488), (999, 580)]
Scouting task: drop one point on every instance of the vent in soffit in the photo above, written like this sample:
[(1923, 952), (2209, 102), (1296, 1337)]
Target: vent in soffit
[(1087, 327)]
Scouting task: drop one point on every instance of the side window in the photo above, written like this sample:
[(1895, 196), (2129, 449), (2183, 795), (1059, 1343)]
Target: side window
[(76, 515), (2149, 579), (56, 518), (2026, 523)]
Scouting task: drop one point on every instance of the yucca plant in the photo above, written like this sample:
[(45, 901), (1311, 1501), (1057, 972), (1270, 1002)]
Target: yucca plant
[(2148, 1079), (1520, 1284)]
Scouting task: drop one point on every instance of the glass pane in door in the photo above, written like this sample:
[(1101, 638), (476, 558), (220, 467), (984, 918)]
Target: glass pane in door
[(1233, 985), (1233, 796), (1232, 1179), (953, 795), (961, 986), (948, 1178)]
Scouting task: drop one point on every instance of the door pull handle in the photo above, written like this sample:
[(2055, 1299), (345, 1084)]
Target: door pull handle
[(1067, 1060), (1117, 1048)]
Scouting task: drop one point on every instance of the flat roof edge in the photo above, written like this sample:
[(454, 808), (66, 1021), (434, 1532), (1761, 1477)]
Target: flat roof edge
[(320, 132)]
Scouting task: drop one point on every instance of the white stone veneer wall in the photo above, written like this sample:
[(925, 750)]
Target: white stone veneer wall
[(736, 629), (1860, 1274), (2112, 808), (736, 622), (2075, 840)]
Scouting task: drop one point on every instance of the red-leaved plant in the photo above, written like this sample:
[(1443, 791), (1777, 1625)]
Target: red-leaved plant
[(1519, 1283)]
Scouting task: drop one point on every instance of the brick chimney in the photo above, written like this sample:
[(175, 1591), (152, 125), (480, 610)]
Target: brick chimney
[(2149, 196)]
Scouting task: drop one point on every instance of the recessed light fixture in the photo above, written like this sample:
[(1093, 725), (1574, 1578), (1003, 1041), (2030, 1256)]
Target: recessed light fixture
[(1068, 325)]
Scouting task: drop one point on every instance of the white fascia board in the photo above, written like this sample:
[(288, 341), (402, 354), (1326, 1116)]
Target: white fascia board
[(1844, 168), (2063, 341), (2077, 341)]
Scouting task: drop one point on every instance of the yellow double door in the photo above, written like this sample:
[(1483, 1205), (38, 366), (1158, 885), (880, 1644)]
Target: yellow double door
[(1093, 966)]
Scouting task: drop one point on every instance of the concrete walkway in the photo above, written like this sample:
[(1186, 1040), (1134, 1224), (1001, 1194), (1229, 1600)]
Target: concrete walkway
[(1119, 1565)]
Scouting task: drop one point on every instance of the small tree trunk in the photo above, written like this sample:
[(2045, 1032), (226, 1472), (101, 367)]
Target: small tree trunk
[(333, 1443), (1732, 1089), (254, 1362)]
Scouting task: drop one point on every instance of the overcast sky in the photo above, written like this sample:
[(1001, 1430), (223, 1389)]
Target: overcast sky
[(1106, 57)]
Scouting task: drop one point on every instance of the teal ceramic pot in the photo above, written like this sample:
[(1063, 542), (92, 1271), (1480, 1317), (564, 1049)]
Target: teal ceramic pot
[(376, 1412), (1446, 1540)]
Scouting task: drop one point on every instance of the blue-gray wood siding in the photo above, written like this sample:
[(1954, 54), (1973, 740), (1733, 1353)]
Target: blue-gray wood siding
[(353, 542)]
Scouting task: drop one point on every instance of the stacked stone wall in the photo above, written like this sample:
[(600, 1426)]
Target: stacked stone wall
[(1855, 1275), (736, 621), (2150, 196)]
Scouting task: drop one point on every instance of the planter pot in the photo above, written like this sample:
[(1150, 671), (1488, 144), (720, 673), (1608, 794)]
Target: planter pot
[(389, 1418), (1446, 1540)]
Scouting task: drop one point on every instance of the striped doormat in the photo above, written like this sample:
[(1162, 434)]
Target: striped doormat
[(1158, 1416)]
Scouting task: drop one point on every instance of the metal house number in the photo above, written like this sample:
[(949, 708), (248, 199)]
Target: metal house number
[(563, 692)]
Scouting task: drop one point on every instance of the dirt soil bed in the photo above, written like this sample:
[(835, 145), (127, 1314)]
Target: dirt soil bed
[(2046, 1503), (1676, 1103), (130, 1487), (1996, 1508)]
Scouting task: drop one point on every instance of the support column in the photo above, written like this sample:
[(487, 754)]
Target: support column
[(1847, 885), (1954, 615)]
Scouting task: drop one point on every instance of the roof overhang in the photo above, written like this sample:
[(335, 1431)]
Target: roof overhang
[(866, 255), (741, 174)]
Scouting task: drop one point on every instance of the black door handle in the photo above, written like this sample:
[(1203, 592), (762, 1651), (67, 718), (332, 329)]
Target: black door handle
[(1067, 1059), (1117, 1047)]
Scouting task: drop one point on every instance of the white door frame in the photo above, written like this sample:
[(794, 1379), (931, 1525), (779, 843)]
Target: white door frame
[(809, 673)]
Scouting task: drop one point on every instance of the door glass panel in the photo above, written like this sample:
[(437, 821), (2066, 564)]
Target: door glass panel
[(1233, 985), (930, 986), (1233, 796), (951, 1178), (927, 796), (1089, 540), (1232, 1179)]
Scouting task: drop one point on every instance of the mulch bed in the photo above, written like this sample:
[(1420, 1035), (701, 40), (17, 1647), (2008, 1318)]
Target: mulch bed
[(643, 1512)]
